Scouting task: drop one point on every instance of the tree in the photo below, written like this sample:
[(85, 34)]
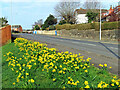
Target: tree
[(92, 5), (91, 16), (39, 23), (3, 21), (66, 9), (51, 20), (37, 27)]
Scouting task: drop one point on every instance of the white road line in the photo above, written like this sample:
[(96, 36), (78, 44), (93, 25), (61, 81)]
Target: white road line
[(61, 40), (84, 43), (113, 48)]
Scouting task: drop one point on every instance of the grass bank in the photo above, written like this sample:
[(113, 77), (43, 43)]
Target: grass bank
[(27, 64)]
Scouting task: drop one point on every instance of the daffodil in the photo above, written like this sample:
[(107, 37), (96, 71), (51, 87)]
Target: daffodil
[(105, 65), (14, 83), (86, 71), (87, 86), (68, 82), (27, 73), (86, 82), (54, 79), (53, 70), (32, 80)]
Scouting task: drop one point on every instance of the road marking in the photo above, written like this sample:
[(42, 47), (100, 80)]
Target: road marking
[(61, 40), (84, 43), (75, 42), (113, 48)]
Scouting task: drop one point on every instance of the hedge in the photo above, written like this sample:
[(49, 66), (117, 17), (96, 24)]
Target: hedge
[(88, 26)]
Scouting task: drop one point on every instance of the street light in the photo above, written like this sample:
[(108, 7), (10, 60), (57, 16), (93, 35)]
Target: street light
[(100, 22)]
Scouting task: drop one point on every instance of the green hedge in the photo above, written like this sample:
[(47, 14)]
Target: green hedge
[(88, 26), (52, 27)]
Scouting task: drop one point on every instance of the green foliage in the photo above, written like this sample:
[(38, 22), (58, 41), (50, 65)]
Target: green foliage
[(37, 27), (3, 21), (88, 26), (51, 20), (91, 16), (58, 27), (73, 68), (62, 22), (52, 27), (83, 26)]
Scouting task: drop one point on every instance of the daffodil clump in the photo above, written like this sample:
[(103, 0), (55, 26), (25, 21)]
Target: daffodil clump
[(72, 70)]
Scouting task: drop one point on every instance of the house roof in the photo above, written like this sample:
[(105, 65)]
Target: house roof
[(16, 25), (117, 8), (84, 11)]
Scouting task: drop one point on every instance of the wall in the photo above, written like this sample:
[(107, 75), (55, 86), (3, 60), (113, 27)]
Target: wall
[(5, 35), (91, 34), (46, 32), (20, 29)]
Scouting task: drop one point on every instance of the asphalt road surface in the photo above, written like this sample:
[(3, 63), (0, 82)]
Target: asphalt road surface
[(98, 51)]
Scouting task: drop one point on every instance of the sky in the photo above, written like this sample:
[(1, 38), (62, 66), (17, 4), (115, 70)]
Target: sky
[(26, 12)]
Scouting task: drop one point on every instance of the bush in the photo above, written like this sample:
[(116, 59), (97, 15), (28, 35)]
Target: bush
[(110, 25), (59, 27), (51, 27), (37, 27), (83, 26), (62, 22), (106, 26), (88, 26), (67, 26)]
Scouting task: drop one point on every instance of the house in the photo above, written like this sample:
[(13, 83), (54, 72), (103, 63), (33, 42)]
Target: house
[(113, 14), (80, 14), (16, 28)]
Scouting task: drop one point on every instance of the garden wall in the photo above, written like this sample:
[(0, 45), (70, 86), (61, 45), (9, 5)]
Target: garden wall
[(5, 35), (91, 34)]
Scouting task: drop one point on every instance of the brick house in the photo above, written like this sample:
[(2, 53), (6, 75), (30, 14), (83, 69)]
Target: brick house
[(80, 14), (16, 28), (113, 14)]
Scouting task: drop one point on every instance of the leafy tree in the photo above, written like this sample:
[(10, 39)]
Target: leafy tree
[(37, 27), (51, 20), (3, 21), (62, 22), (91, 16)]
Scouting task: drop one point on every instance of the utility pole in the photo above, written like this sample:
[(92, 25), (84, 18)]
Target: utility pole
[(100, 21), (11, 15)]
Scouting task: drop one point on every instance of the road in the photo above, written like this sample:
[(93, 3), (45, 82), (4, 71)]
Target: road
[(98, 51)]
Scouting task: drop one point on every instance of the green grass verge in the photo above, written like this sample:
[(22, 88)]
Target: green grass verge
[(42, 79)]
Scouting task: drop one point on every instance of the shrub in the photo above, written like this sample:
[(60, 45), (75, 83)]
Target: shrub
[(67, 26), (51, 27), (110, 25), (87, 26), (83, 26), (59, 27), (62, 22), (37, 27)]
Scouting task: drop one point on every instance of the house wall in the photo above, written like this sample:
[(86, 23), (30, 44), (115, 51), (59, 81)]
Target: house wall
[(20, 29), (80, 18), (5, 35)]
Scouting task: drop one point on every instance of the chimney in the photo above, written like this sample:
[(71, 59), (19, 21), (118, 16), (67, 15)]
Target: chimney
[(110, 6)]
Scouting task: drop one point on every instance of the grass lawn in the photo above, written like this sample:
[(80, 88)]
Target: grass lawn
[(42, 71)]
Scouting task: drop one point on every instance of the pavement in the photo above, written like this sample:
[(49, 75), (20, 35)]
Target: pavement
[(101, 52)]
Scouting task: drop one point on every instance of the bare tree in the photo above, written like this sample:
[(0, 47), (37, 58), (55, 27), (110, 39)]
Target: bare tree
[(66, 9), (92, 5)]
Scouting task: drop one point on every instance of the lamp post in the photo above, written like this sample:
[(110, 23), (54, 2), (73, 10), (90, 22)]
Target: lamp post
[(100, 22)]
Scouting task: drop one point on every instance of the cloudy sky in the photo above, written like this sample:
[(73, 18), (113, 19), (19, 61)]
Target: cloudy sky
[(26, 12)]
